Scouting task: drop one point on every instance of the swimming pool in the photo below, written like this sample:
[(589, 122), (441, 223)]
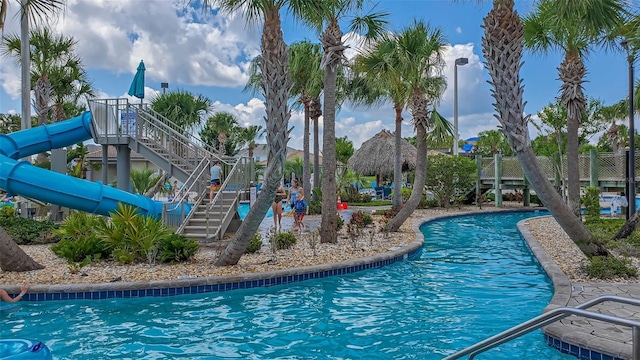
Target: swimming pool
[(243, 210), (462, 289)]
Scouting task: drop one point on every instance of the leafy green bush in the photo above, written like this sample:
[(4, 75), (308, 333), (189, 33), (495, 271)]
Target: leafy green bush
[(315, 207), (535, 199), (285, 240), (608, 267), (591, 201), (28, 231), (80, 239), (339, 223), (446, 174), (255, 244), (428, 203), (176, 248)]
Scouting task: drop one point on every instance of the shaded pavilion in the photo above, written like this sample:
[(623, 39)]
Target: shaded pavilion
[(376, 156)]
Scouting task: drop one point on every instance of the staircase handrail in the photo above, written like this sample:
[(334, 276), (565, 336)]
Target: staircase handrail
[(197, 182), (234, 177), (553, 316), (176, 129)]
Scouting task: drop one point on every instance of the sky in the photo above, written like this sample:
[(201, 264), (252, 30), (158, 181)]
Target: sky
[(209, 53)]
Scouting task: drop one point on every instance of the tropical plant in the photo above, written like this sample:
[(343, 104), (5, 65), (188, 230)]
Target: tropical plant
[(183, 108), (372, 26), (56, 72), (41, 10), (491, 142), (276, 86), (446, 175), (502, 45), (344, 149), (10, 123), (421, 63), (143, 180), (222, 131), (573, 27)]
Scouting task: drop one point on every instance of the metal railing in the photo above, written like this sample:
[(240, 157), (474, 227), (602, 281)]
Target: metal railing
[(237, 182), (557, 315), (177, 213)]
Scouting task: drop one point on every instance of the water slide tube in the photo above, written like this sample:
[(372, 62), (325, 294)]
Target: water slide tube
[(22, 178)]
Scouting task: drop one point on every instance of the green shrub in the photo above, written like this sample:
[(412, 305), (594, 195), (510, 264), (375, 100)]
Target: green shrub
[(80, 239), (591, 201), (315, 207), (7, 212), (28, 231), (535, 199), (285, 240), (339, 223), (176, 248), (255, 244), (608, 267)]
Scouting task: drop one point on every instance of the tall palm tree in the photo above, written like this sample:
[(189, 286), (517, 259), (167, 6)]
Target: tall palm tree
[(304, 65), (329, 13), (247, 137), (56, 69), (276, 86), (502, 46), (574, 27), (40, 10), (382, 80), (306, 75), (420, 64)]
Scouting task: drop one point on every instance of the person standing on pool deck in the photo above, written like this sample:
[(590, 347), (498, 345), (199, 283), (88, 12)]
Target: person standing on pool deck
[(5, 297), (293, 192), (216, 179), (277, 208)]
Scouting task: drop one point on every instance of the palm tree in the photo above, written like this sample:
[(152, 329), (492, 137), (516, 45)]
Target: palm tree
[(276, 86), (143, 180), (55, 70), (317, 13), (574, 27), (304, 65), (502, 45), (29, 9), (248, 136), (420, 64), (218, 130), (183, 108), (381, 78)]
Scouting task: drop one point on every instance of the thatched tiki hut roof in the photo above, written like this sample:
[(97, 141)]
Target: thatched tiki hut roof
[(376, 156)]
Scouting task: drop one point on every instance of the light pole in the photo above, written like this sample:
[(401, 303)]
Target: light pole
[(459, 61), (631, 169)]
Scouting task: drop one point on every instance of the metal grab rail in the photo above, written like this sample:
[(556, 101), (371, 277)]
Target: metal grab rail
[(553, 316), (197, 182)]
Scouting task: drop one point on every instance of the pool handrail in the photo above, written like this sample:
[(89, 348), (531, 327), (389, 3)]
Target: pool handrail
[(556, 315)]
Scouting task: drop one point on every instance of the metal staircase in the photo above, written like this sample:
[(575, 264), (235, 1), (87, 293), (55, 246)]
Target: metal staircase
[(181, 155), (557, 315)]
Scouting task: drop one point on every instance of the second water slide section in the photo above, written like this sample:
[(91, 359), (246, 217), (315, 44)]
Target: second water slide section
[(22, 178)]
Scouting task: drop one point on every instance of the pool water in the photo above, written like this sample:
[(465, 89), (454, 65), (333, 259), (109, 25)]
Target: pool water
[(474, 278)]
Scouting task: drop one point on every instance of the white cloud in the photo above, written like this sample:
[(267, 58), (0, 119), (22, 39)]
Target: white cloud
[(458, 30)]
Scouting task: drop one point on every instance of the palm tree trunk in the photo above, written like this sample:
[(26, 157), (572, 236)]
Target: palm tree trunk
[(397, 166), (572, 72), (421, 172), (12, 257), (331, 40), (502, 47), (317, 112), (275, 70), (306, 175)]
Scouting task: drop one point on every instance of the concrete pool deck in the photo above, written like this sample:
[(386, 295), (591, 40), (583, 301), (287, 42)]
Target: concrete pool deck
[(578, 336)]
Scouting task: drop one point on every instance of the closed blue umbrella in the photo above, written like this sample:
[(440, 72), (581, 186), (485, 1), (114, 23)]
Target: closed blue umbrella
[(137, 86)]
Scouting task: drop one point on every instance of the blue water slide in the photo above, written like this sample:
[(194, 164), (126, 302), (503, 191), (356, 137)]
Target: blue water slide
[(22, 178)]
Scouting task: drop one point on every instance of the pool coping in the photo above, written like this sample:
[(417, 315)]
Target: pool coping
[(577, 343)]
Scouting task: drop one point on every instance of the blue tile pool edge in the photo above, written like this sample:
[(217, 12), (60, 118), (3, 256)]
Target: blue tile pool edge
[(553, 335), (221, 283)]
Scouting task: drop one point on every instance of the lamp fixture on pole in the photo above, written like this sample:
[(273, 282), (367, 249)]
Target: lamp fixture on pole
[(459, 61), (631, 169)]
